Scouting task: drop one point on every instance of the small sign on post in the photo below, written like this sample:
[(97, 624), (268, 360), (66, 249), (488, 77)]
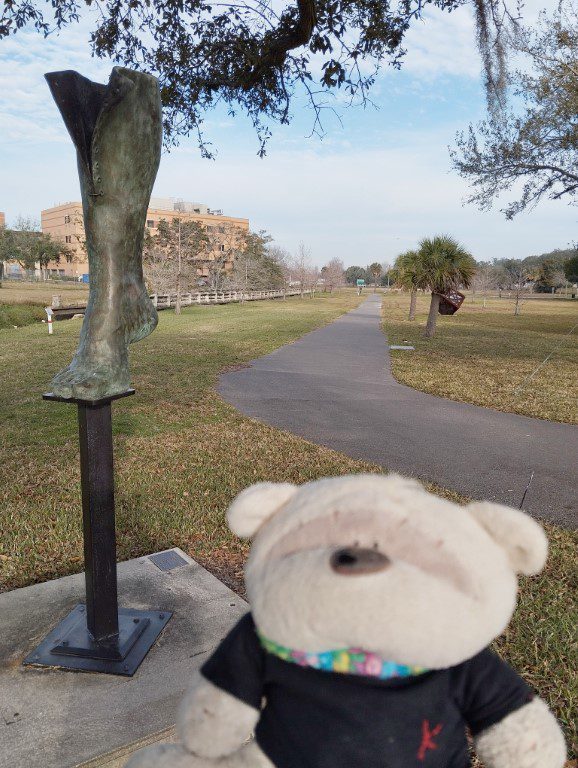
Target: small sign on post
[(49, 314)]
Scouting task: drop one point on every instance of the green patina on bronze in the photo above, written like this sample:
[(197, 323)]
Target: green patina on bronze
[(117, 132)]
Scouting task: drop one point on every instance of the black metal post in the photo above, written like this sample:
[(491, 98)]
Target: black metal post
[(97, 480), (99, 637)]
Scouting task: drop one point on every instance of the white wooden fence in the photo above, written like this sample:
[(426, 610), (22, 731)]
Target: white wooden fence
[(166, 300)]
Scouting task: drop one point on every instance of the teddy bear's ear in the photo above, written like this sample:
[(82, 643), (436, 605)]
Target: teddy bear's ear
[(255, 505), (523, 538)]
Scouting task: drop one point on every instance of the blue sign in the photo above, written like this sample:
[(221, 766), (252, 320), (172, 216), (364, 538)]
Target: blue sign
[(360, 282)]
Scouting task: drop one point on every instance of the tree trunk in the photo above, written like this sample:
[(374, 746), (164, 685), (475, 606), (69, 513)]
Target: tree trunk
[(430, 327), (178, 304), (412, 303)]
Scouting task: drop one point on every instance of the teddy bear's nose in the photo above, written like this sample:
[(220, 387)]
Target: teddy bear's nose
[(356, 561)]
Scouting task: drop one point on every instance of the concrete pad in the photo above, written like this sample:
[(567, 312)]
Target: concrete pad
[(119, 757), (51, 718)]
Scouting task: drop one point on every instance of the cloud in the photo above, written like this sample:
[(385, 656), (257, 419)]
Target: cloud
[(442, 44), (27, 112), (363, 204)]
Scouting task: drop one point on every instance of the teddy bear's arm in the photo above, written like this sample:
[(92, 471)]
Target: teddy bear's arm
[(529, 737), (211, 722)]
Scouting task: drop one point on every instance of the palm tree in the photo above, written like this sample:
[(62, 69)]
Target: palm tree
[(408, 275), (375, 271), (445, 265)]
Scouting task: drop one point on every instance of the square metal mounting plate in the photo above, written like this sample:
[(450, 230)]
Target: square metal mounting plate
[(134, 645)]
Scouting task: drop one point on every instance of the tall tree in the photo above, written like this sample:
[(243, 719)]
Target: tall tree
[(353, 274), (548, 277), (225, 242), (333, 274), (375, 271), (386, 270), (534, 147), (282, 257), (517, 272), (301, 269), (409, 275), (258, 265), (446, 265), (571, 269), (171, 256), (254, 56), (26, 245), (484, 279)]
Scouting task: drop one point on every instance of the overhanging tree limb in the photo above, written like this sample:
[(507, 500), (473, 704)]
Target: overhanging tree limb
[(250, 55), (538, 142)]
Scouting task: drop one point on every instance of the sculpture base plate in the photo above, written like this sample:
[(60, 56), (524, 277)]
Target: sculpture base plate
[(70, 645), (80, 401)]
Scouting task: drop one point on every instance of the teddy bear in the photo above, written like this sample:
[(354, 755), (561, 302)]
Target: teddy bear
[(373, 603)]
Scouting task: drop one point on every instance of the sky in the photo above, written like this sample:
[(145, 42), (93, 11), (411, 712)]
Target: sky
[(378, 181)]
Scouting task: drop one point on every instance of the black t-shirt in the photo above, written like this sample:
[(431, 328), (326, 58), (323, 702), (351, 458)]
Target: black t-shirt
[(317, 719)]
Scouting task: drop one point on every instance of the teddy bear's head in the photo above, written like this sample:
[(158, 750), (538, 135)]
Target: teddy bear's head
[(376, 562)]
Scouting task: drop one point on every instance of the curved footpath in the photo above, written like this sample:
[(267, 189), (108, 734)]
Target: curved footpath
[(334, 387)]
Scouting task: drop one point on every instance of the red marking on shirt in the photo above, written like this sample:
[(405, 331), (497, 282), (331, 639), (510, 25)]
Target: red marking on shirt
[(427, 738)]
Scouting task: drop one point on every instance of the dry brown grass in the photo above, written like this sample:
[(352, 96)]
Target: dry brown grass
[(483, 356), (17, 292)]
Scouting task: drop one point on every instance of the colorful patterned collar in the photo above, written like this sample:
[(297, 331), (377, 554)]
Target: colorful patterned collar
[(352, 661)]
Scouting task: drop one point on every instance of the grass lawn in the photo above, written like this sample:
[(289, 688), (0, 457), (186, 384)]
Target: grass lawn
[(182, 454), (482, 356)]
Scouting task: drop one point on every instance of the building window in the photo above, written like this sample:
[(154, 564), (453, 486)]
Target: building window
[(67, 219), (68, 238), (150, 223)]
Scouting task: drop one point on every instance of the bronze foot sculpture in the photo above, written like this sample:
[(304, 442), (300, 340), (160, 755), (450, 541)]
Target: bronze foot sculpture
[(117, 131)]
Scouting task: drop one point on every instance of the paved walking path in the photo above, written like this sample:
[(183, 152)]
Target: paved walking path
[(334, 387)]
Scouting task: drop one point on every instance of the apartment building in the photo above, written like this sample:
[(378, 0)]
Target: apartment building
[(65, 222), (2, 219), (218, 225)]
